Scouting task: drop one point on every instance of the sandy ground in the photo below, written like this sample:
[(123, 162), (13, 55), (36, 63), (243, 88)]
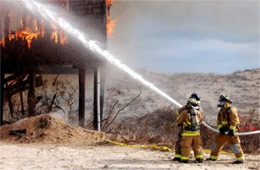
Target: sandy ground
[(35, 156)]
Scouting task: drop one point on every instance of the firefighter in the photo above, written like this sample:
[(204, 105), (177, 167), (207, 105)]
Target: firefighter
[(177, 156), (190, 120), (227, 122)]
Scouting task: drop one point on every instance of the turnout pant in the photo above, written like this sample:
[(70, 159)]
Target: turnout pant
[(188, 142), (178, 147), (234, 143)]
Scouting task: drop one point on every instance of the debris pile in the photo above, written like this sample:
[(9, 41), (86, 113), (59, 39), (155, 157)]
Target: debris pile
[(46, 129)]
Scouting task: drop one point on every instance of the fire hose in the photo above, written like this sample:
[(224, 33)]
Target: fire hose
[(217, 131), (237, 134)]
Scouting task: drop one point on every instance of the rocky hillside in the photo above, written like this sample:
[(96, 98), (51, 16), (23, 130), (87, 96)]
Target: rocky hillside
[(243, 87)]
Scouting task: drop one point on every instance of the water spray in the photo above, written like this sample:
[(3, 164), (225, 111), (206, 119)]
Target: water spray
[(48, 14)]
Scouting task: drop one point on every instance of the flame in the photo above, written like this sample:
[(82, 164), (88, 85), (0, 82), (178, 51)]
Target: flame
[(42, 30), (63, 38), (2, 42), (58, 36), (109, 2), (33, 28), (111, 23), (26, 33), (29, 33), (54, 34)]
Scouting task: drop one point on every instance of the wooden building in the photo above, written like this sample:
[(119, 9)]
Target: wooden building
[(57, 55)]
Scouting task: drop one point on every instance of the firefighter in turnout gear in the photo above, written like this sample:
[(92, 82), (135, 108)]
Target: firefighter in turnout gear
[(227, 122), (177, 156), (190, 120)]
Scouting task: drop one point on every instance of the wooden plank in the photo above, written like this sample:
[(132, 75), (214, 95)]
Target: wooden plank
[(82, 83), (14, 76), (22, 86), (43, 70)]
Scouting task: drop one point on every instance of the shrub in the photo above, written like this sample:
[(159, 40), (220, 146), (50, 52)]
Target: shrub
[(160, 127)]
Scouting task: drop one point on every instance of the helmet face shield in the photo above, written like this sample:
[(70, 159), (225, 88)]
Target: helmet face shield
[(193, 102), (196, 107)]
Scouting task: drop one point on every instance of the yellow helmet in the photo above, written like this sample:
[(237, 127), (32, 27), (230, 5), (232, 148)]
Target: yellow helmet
[(192, 101)]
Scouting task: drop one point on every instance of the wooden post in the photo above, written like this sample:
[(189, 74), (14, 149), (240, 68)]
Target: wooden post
[(22, 105), (1, 89), (82, 83), (31, 95), (1, 74), (11, 106)]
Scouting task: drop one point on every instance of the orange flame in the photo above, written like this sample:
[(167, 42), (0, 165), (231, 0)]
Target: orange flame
[(31, 28), (111, 23), (109, 2), (28, 34), (63, 38), (54, 34), (2, 42), (42, 30)]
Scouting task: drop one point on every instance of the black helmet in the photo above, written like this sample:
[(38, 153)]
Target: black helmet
[(195, 96), (224, 98)]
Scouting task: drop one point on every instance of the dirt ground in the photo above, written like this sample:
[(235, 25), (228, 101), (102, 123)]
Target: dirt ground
[(46, 142), (50, 156)]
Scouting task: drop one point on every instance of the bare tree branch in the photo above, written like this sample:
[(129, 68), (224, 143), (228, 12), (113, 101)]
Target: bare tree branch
[(110, 111), (59, 108), (52, 102), (55, 80), (108, 124)]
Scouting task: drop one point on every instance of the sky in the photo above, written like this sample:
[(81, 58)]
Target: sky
[(172, 36)]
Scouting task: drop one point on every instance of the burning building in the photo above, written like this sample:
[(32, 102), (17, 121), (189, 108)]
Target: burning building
[(32, 46)]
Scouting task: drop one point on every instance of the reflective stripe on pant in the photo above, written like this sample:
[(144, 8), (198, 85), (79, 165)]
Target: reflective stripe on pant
[(178, 147), (188, 142), (234, 143)]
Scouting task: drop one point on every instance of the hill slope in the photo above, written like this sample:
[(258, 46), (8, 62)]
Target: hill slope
[(243, 87)]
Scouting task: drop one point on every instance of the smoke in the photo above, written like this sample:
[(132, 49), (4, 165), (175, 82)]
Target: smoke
[(155, 32), (93, 46), (207, 17)]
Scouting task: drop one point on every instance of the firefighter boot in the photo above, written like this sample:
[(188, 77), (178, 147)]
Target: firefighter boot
[(183, 161), (176, 159), (200, 160), (238, 162)]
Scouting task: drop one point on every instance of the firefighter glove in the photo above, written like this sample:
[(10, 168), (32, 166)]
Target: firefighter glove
[(231, 132), (222, 131)]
